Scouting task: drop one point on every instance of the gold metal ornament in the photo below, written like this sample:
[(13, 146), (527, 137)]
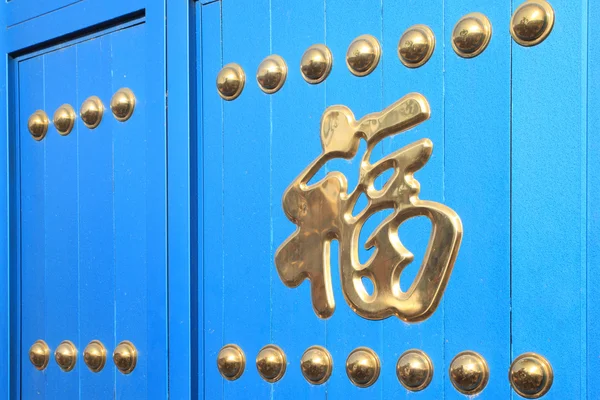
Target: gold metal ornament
[(469, 372), (414, 370), (125, 357), (91, 112), (416, 46), (271, 363), (66, 355), (39, 355), (532, 22), (38, 124), (122, 104), (230, 81), (316, 365), (531, 375), (363, 55), (363, 367), (323, 212), (271, 74), (64, 119), (231, 362), (94, 356), (316, 64), (471, 35)]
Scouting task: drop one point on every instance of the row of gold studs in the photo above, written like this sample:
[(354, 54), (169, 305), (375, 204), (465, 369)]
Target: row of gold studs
[(94, 356), (530, 374), (531, 23), (122, 105)]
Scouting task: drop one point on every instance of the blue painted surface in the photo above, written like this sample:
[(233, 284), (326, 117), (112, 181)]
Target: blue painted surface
[(95, 235), (247, 257), (182, 207), (19, 11), (477, 186), (294, 125), (593, 202), (549, 200), (95, 213), (525, 279), (210, 176)]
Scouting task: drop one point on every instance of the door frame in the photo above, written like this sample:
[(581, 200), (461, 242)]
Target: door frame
[(23, 36)]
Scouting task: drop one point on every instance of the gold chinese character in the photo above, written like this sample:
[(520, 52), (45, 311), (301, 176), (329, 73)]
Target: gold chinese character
[(323, 212)]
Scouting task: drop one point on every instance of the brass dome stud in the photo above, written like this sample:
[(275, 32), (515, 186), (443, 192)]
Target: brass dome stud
[(531, 375), (414, 370), (316, 365), (416, 46), (231, 362), (469, 373), (64, 119), (230, 81), (471, 35), (94, 356), (38, 125), (39, 355), (363, 367), (91, 112), (271, 363), (363, 55), (66, 355), (532, 22), (271, 74), (316, 64), (125, 357), (122, 104)]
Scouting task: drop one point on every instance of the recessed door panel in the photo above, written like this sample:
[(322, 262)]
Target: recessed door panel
[(88, 208)]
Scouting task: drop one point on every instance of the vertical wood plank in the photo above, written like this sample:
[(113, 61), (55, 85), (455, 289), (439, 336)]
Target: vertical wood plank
[(346, 330), (593, 200), (296, 113), (477, 187), (548, 198), (246, 195), (210, 176), (32, 217), (398, 81), (133, 209), (61, 223), (96, 217)]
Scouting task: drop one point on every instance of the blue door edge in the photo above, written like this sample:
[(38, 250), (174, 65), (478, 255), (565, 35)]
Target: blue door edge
[(184, 207), (66, 24)]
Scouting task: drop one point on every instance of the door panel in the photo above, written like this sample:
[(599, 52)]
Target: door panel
[(96, 164), (88, 214), (246, 199), (501, 141), (477, 115), (548, 224)]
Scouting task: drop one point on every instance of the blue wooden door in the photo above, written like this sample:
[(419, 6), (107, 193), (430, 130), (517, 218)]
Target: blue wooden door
[(510, 156), (90, 259)]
